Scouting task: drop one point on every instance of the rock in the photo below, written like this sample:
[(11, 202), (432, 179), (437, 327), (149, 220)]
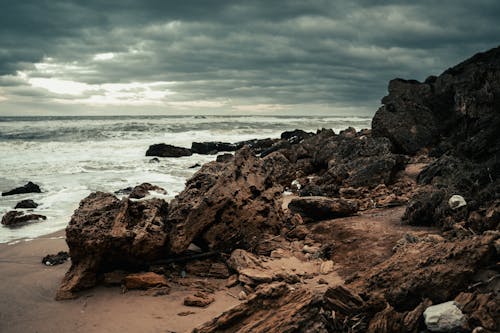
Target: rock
[(165, 150), (28, 188), (154, 160), (481, 309), (326, 267), (194, 166), (285, 309), (26, 204), (106, 234), (55, 259), (224, 158), (208, 268), (15, 218), (322, 208), (213, 147), (199, 299), (456, 201), (227, 206), (141, 191), (145, 281), (242, 296), (232, 281), (444, 317), (114, 278), (124, 191), (257, 145), (322, 281), (295, 136)]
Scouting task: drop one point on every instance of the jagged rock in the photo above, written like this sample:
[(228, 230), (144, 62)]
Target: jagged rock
[(444, 317), (145, 280), (322, 208), (15, 218), (28, 188), (26, 204), (212, 147), (199, 299), (257, 145), (295, 136), (481, 309), (141, 191), (430, 270), (55, 259), (284, 310), (106, 234), (165, 150), (227, 206), (224, 157)]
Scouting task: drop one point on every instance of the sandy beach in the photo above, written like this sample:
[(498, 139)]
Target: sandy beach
[(28, 288)]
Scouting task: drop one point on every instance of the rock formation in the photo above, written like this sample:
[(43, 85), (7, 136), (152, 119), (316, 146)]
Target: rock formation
[(165, 150), (28, 188), (16, 218)]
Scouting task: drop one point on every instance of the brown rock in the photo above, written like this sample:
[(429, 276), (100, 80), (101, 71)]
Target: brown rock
[(114, 278), (15, 218), (199, 299), (322, 208), (145, 281), (141, 191), (208, 268), (481, 309), (106, 234)]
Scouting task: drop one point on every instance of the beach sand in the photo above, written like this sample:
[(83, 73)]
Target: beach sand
[(28, 287)]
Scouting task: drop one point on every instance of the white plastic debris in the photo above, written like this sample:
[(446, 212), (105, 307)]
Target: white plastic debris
[(456, 201)]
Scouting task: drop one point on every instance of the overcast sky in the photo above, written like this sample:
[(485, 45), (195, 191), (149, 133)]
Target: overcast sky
[(228, 57)]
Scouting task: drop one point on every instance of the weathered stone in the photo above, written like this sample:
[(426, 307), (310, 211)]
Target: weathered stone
[(28, 188), (145, 281), (55, 259), (322, 208), (15, 218), (26, 204), (199, 299), (165, 150), (141, 191), (444, 317)]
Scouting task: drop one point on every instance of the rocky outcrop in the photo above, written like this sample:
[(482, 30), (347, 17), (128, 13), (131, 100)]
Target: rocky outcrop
[(212, 147), (226, 206), (142, 191), (106, 233), (165, 150), (28, 188), (322, 208), (16, 218), (26, 204)]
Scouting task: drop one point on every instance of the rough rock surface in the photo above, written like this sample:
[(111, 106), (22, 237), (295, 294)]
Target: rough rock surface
[(106, 233), (212, 147), (142, 190), (15, 218), (322, 208), (199, 299), (165, 150), (144, 281), (444, 317), (28, 188), (226, 206), (55, 259), (28, 203)]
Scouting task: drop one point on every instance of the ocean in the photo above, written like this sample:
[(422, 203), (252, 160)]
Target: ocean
[(70, 157)]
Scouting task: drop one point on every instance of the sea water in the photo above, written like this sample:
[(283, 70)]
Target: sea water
[(70, 157)]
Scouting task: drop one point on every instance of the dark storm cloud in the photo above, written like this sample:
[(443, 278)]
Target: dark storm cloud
[(280, 52)]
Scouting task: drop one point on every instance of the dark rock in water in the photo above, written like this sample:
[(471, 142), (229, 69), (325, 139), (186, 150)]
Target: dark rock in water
[(55, 259), (226, 206), (196, 165), (141, 191), (295, 136), (124, 191), (213, 147), (257, 145), (164, 150), (224, 157), (28, 188), (322, 208), (15, 218), (106, 234), (154, 160), (275, 147), (26, 204)]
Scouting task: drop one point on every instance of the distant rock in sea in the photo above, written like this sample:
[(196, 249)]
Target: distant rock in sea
[(28, 188), (165, 150), (15, 218), (28, 203)]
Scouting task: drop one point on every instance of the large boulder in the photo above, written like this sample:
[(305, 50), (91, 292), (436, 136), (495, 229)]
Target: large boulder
[(165, 150), (322, 208), (212, 147), (106, 233), (28, 188), (28, 203), (226, 206), (16, 218)]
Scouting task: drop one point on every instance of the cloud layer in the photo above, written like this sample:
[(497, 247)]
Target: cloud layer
[(301, 57)]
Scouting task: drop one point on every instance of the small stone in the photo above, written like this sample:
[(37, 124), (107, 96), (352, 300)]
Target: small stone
[(326, 267), (242, 296), (322, 281), (456, 201), (232, 281), (444, 317), (199, 299), (185, 313)]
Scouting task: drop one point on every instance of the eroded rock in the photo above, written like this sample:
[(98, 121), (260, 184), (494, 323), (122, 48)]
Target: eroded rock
[(165, 150)]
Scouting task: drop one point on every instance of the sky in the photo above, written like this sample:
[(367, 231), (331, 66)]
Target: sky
[(295, 57)]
